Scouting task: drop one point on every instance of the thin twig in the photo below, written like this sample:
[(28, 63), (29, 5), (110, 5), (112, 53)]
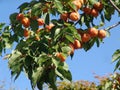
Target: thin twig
[(112, 3), (115, 25)]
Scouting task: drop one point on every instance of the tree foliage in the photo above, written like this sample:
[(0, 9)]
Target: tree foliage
[(46, 32)]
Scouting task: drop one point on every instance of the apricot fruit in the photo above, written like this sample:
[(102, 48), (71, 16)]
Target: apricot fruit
[(40, 21), (64, 16), (20, 16), (94, 12), (26, 33), (60, 56), (98, 6), (26, 22), (77, 44), (101, 34), (85, 37), (74, 16), (93, 32), (87, 10)]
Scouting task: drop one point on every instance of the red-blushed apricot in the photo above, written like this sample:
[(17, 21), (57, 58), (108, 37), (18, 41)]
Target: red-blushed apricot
[(26, 33), (20, 16), (60, 56), (98, 6), (102, 34), (72, 49), (94, 12), (49, 27), (26, 22), (87, 10), (85, 37), (40, 21), (77, 44), (93, 32), (77, 4), (64, 16), (74, 16)]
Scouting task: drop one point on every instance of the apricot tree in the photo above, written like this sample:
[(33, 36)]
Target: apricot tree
[(45, 32)]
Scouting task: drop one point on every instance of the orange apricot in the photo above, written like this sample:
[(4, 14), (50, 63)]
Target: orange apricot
[(77, 44), (64, 16), (85, 37), (93, 32), (72, 48), (49, 27), (102, 34), (77, 4), (98, 6), (26, 22), (74, 16), (87, 10), (94, 12), (26, 33), (40, 21), (20, 16), (60, 56)]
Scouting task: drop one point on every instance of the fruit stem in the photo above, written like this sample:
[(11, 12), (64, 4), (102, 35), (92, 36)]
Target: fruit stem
[(112, 3), (115, 25)]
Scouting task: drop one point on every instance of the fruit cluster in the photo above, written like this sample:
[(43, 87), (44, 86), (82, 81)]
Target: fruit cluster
[(25, 21), (98, 6), (73, 15)]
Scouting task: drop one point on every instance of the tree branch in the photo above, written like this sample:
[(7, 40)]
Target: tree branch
[(112, 3), (115, 25)]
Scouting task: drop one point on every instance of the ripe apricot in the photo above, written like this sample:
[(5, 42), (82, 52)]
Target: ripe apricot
[(102, 34), (64, 16), (49, 27), (85, 37), (26, 33), (60, 56), (74, 16), (93, 32), (77, 4), (86, 10), (20, 16), (72, 48), (98, 6), (40, 21), (26, 22), (77, 44), (94, 12)]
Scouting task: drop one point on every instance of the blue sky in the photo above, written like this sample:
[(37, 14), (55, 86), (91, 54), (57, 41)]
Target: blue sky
[(83, 64)]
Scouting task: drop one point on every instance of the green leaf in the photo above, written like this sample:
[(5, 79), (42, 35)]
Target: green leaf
[(65, 73), (66, 49), (23, 6), (15, 63), (58, 5), (37, 75), (2, 25), (13, 17), (116, 55), (57, 31), (117, 65), (69, 38), (47, 19), (36, 11), (41, 59), (34, 25)]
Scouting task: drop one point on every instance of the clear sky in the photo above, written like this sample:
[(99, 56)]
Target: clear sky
[(83, 64)]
